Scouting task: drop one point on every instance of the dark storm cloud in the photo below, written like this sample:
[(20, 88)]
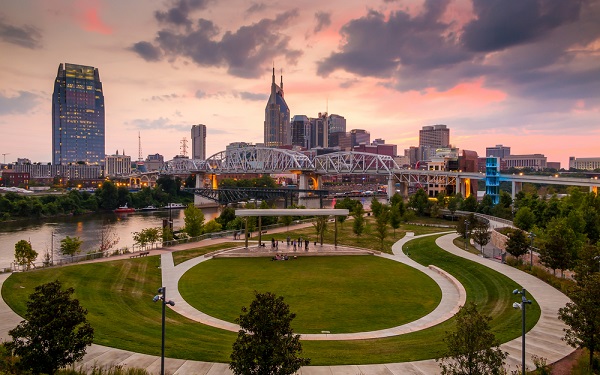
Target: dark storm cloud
[(503, 23), (25, 36), (256, 8), (179, 12), (146, 51), (376, 46), (244, 52), (24, 102), (323, 20)]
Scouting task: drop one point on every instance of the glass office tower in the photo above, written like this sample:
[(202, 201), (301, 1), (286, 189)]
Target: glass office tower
[(78, 129)]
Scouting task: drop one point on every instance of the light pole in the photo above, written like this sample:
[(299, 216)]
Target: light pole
[(466, 233), (524, 302), (162, 297), (598, 259), (531, 236)]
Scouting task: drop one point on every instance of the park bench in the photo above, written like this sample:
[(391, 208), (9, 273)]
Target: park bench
[(140, 254)]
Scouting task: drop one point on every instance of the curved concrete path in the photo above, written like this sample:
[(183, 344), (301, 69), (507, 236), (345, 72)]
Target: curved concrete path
[(543, 340), (453, 296)]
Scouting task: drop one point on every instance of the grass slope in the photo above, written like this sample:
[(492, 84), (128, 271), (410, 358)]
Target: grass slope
[(118, 295)]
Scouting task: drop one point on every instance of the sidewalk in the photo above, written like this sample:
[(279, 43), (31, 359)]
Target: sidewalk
[(543, 340)]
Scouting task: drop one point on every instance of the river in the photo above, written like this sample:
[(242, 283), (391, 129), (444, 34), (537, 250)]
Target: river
[(86, 227)]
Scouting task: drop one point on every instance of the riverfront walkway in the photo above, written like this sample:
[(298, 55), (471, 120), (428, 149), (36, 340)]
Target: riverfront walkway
[(544, 340)]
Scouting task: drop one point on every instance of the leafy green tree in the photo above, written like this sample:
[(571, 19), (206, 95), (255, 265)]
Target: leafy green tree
[(358, 224), (472, 347), (419, 202), (588, 261), (582, 315), (469, 204), (454, 203), (212, 226), (395, 217), (320, 225), (24, 254), (108, 196), (517, 243), (266, 343), (347, 203), (55, 332), (147, 236), (396, 199), (376, 207), (194, 221), (524, 219), (481, 233), (486, 205), (70, 246), (226, 216), (559, 245), (286, 220), (442, 199), (381, 224)]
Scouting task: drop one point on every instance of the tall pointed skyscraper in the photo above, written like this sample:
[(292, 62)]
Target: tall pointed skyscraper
[(277, 130), (78, 129)]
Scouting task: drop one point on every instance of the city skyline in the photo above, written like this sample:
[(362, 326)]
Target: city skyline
[(525, 76)]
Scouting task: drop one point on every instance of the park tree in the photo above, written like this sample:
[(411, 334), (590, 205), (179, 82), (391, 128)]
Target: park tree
[(559, 245), (266, 343), (194, 221), (24, 254), (227, 215), (419, 202), (454, 203), (347, 203), (55, 332), (212, 226), (108, 196), (442, 199), (582, 316), (397, 199), (286, 220), (107, 238), (481, 233), (147, 236), (70, 246), (472, 347), (524, 219), (320, 225), (469, 203), (588, 261), (358, 224), (396, 216), (376, 206), (381, 225), (517, 243)]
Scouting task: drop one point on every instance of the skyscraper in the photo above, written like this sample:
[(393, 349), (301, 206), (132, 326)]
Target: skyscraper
[(78, 127), (434, 136), (301, 131), (199, 142), (277, 117)]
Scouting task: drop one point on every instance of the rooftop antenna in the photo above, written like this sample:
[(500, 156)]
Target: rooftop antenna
[(183, 146), (139, 147)]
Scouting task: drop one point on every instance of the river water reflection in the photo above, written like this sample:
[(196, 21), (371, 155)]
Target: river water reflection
[(86, 227)]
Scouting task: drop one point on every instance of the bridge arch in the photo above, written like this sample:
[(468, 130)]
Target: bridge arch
[(257, 160), (350, 162)]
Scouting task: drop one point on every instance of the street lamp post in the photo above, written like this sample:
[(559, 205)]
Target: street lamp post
[(524, 302), (531, 236), (162, 297), (598, 259), (466, 233)]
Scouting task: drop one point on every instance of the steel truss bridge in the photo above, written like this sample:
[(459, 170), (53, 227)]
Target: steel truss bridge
[(263, 160), (226, 196)]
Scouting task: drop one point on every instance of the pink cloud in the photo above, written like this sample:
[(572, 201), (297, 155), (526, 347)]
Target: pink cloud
[(88, 18)]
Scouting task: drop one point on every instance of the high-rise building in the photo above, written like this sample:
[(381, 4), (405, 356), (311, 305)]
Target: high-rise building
[(199, 142), (336, 125), (78, 127), (117, 165), (319, 133), (359, 136), (434, 136), (499, 151), (301, 131), (277, 117)]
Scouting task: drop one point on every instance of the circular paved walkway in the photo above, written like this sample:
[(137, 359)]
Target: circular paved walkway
[(544, 339)]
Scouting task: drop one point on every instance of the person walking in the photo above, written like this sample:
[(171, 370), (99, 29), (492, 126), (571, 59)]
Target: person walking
[(294, 243)]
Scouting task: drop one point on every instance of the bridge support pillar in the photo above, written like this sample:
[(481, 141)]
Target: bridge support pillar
[(303, 185), (201, 183), (458, 187), (391, 186), (199, 180), (404, 190), (516, 188)]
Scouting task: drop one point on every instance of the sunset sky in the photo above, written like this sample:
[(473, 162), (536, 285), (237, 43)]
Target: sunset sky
[(523, 73)]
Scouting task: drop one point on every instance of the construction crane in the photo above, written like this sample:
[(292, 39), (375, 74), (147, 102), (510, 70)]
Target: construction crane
[(8, 153)]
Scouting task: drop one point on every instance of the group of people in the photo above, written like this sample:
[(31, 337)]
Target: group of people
[(298, 243), (280, 257)]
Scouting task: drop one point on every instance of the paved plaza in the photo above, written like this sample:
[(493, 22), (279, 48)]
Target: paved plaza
[(544, 340)]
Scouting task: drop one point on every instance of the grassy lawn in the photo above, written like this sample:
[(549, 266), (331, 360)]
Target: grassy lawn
[(183, 255), (337, 294), (118, 296)]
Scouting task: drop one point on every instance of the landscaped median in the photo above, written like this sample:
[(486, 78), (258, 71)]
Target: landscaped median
[(118, 295)]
